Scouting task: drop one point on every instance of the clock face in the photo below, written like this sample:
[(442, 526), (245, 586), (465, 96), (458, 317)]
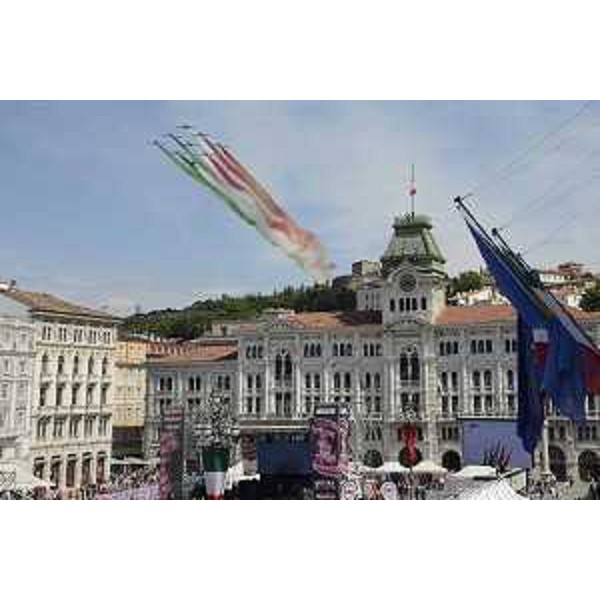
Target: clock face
[(407, 282)]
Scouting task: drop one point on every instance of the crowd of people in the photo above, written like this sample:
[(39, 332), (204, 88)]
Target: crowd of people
[(129, 478)]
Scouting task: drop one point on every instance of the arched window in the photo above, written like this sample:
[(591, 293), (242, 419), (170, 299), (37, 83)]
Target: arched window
[(336, 381), (373, 459), (451, 461), (307, 380), (278, 367), (318, 349), (403, 367), (191, 386), (335, 349), (287, 366), (91, 365), (365, 350), (414, 303), (510, 379), (371, 350), (589, 465), (487, 379), (76, 365), (306, 350), (342, 350), (480, 346), (348, 349), (558, 463), (104, 365), (60, 365), (260, 352), (401, 305), (347, 381), (476, 378), (423, 303), (254, 352), (415, 368), (377, 380), (45, 363)]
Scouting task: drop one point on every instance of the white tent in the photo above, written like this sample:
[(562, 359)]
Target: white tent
[(391, 467), (477, 472), (429, 467), (493, 490)]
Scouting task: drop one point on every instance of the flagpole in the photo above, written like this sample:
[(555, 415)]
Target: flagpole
[(546, 472)]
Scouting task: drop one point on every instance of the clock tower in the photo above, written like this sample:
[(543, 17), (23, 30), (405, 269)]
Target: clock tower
[(413, 276)]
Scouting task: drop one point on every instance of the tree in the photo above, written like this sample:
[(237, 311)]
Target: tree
[(590, 301), (467, 281)]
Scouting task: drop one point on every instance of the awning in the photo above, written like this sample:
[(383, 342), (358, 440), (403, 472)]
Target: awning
[(477, 472), (392, 467), (430, 468)]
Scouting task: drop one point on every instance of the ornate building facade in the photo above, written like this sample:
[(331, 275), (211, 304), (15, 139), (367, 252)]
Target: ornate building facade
[(403, 356), (72, 379), (17, 359)]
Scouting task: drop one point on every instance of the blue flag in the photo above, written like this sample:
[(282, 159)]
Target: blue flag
[(565, 366)]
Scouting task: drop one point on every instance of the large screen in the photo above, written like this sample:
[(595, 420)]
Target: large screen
[(283, 457), (485, 441)]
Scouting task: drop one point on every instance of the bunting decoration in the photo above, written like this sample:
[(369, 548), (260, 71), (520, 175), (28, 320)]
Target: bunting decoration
[(215, 167)]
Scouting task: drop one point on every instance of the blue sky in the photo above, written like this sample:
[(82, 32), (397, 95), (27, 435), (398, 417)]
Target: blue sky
[(92, 212)]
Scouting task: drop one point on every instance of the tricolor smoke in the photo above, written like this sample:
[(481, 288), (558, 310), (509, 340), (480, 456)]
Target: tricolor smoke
[(215, 167)]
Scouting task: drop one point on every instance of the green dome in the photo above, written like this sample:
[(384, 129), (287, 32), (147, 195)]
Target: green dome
[(413, 243)]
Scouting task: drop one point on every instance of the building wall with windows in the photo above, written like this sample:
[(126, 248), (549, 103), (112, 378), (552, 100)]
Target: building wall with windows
[(187, 379), (130, 396), (403, 357), (73, 379), (16, 387)]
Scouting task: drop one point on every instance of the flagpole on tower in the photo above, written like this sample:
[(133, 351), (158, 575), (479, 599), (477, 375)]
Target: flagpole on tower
[(413, 191)]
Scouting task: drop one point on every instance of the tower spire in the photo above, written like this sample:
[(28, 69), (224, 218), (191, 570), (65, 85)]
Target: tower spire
[(412, 191)]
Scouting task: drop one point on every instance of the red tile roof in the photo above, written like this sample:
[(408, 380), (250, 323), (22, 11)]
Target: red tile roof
[(46, 303), (192, 353), (320, 320), (490, 313)]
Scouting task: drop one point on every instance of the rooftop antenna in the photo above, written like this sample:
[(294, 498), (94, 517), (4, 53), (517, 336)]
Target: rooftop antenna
[(412, 191)]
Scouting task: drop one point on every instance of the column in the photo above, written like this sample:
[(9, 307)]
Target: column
[(62, 472), (500, 389), (93, 468), (77, 480), (268, 409)]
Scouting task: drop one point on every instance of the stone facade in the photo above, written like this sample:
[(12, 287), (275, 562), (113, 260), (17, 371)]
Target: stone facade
[(73, 377), (16, 388), (403, 356)]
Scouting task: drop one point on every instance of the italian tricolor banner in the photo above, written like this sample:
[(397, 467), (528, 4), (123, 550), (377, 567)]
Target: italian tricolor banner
[(216, 168), (216, 463)]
